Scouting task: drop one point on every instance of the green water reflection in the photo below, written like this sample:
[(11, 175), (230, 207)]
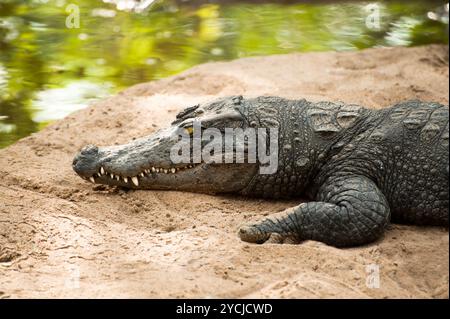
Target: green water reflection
[(48, 70)]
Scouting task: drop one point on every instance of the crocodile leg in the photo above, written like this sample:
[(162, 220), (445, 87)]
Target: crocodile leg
[(349, 211)]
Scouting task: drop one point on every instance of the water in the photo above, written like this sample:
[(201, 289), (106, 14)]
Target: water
[(48, 70)]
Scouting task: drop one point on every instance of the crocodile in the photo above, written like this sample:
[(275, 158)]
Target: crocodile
[(354, 169)]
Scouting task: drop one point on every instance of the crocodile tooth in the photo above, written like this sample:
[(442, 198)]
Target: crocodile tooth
[(102, 170), (125, 179), (112, 175), (173, 170), (92, 179), (157, 170), (135, 180), (117, 177), (142, 174), (166, 171)]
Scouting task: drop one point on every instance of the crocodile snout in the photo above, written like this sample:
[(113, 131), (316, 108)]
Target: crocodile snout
[(85, 162)]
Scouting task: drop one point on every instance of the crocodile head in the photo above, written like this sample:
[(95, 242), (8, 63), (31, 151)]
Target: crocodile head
[(147, 163)]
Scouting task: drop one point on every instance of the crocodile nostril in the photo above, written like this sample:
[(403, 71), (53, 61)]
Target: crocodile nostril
[(89, 150)]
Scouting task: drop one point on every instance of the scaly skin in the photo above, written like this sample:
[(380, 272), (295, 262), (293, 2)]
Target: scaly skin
[(360, 168)]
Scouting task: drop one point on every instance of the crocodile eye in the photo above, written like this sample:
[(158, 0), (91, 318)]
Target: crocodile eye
[(189, 129)]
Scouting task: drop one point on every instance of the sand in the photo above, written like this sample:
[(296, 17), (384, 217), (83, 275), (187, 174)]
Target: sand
[(63, 237)]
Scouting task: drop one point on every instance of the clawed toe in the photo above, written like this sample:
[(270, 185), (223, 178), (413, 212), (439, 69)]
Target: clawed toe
[(275, 238), (252, 234)]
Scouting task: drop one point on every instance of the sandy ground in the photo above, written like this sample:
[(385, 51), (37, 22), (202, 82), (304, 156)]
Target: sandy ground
[(63, 237)]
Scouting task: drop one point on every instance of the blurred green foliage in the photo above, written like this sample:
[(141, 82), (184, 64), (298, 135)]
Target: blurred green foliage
[(48, 70)]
